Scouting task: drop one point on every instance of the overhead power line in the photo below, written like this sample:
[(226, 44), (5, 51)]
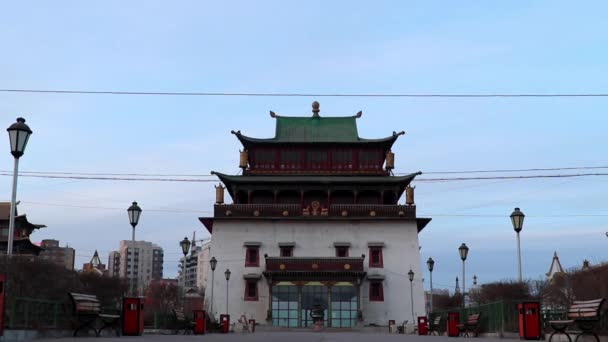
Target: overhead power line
[(212, 176), (195, 180), (210, 212), (265, 94)]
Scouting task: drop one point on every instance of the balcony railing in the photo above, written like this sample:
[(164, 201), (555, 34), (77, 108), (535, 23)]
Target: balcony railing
[(334, 211)]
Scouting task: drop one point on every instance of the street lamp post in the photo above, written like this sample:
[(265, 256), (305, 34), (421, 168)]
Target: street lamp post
[(227, 274), (185, 245), (410, 275), (18, 134), (134, 212), (431, 264), (517, 218), (213, 264), (464, 251)]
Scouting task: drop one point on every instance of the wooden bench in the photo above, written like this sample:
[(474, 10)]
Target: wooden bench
[(182, 322), (87, 310), (470, 325), (586, 316), (435, 326)]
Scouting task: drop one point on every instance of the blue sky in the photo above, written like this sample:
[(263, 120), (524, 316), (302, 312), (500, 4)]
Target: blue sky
[(314, 47)]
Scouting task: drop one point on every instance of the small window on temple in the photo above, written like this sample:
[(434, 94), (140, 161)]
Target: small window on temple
[(376, 293), (286, 251), (252, 256), (341, 251), (251, 290), (375, 257)]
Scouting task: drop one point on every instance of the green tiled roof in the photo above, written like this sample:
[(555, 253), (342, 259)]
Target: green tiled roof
[(316, 129)]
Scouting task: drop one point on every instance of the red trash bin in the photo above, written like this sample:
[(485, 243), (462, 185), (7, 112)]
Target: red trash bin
[(224, 324), (423, 325), (199, 321), (2, 289), (132, 316), (529, 320), (452, 324)]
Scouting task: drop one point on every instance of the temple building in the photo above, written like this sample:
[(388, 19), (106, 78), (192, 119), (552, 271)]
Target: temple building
[(22, 245), (95, 265), (315, 222)]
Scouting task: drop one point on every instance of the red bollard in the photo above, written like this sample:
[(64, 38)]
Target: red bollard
[(453, 321), (132, 316), (2, 289), (224, 324), (529, 320), (199, 321), (423, 325)]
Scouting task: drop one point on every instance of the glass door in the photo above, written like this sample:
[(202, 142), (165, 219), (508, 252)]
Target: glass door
[(343, 306), (285, 306), (313, 296)]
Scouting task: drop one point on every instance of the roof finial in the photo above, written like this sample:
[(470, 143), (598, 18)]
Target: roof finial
[(315, 109)]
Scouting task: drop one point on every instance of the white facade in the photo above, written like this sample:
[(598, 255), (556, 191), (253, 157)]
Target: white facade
[(142, 261), (202, 267), (316, 238)]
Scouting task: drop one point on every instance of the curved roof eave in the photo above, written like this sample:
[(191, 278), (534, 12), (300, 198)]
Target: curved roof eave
[(314, 179), (248, 141)]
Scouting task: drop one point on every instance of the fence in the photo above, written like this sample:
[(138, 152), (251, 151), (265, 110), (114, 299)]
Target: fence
[(30, 313), (502, 317), (497, 317)]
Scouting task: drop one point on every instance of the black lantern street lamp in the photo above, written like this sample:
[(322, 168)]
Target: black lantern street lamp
[(213, 264), (431, 264), (185, 245), (463, 250), (134, 212), (517, 218), (410, 275), (18, 135), (227, 274)]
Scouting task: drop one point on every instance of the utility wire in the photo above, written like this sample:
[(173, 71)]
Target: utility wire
[(264, 94), (195, 180), (210, 212), (207, 175)]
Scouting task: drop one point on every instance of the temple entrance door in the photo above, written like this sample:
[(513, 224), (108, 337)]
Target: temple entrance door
[(344, 309), (313, 295)]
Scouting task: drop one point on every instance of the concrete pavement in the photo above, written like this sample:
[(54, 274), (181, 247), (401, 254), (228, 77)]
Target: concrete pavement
[(280, 336)]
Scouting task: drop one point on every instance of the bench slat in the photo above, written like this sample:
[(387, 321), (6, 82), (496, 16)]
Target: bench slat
[(583, 315), (587, 301)]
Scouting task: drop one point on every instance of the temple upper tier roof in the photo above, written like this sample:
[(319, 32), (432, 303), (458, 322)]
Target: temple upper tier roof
[(315, 129), (237, 179)]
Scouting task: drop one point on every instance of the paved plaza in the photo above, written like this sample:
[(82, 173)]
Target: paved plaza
[(282, 336)]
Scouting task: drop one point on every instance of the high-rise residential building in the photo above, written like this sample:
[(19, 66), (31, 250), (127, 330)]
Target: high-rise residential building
[(114, 264), (191, 278), (62, 256), (202, 267), (140, 261), (315, 226)]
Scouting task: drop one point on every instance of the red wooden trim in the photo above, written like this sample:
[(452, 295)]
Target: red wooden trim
[(372, 296), (380, 263), (252, 249), (248, 285)]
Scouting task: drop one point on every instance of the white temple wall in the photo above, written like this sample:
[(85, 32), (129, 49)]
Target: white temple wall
[(315, 238)]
